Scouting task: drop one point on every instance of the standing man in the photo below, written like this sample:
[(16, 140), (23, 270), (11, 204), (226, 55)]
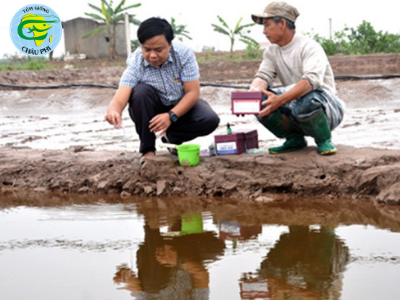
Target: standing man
[(161, 85), (308, 103)]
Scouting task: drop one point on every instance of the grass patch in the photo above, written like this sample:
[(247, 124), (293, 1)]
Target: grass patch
[(237, 56), (15, 63)]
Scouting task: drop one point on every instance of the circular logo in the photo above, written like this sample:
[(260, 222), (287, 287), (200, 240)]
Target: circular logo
[(36, 30)]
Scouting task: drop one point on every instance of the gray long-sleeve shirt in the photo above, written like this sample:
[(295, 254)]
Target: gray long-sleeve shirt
[(301, 58)]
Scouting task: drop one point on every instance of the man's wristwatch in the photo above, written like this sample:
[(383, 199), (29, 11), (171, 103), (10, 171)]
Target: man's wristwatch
[(173, 117)]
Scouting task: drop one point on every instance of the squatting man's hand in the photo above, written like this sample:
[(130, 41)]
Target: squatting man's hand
[(160, 124), (114, 118), (272, 104)]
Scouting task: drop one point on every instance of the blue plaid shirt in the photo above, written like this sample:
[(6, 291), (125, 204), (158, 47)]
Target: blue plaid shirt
[(168, 78)]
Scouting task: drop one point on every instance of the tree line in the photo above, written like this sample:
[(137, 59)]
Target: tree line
[(361, 40)]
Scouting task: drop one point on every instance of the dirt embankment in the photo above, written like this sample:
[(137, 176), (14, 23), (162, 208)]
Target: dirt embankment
[(91, 71), (384, 64), (362, 174), (353, 173)]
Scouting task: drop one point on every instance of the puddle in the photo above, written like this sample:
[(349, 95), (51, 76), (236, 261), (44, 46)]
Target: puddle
[(99, 248)]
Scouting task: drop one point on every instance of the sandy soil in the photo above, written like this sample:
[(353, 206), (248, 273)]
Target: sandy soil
[(57, 140)]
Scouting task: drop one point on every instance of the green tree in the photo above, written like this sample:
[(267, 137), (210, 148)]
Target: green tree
[(253, 51), (366, 40), (239, 30), (361, 40), (110, 17), (180, 30), (339, 43)]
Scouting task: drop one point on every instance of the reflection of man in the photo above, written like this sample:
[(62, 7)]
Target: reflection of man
[(305, 264), (172, 267)]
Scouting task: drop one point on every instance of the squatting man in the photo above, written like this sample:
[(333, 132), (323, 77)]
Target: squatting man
[(161, 85), (308, 104)]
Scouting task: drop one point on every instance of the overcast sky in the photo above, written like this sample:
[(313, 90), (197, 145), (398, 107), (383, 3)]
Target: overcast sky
[(199, 15)]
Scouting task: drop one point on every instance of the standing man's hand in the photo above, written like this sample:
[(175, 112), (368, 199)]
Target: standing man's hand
[(160, 123)]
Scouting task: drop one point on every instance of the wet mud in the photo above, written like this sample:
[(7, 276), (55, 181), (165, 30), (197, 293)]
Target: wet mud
[(363, 174)]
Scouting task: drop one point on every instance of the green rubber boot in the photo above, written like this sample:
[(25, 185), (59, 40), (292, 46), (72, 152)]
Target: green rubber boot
[(317, 126), (293, 143), (280, 125)]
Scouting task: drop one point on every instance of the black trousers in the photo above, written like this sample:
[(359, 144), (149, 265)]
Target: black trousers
[(144, 104)]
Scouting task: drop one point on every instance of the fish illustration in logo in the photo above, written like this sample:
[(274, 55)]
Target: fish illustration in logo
[(36, 25)]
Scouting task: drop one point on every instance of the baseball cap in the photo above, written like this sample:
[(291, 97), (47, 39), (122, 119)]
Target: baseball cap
[(277, 9)]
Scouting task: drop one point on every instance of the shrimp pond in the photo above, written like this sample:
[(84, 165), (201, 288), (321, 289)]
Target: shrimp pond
[(105, 247)]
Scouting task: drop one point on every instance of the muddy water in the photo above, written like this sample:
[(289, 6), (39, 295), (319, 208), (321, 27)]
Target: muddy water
[(89, 247)]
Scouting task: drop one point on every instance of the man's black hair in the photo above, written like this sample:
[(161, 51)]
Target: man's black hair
[(153, 27)]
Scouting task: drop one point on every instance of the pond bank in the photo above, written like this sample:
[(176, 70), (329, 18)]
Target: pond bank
[(353, 173)]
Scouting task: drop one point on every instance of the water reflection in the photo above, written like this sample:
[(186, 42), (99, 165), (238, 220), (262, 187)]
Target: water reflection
[(235, 231), (305, 263), (171, 264), (100, 248)]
